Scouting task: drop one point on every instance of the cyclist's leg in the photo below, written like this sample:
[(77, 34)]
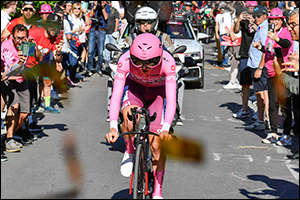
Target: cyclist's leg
[(130, 99), (159, 159), (126, 127)]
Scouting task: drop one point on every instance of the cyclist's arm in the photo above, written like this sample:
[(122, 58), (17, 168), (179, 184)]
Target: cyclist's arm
[(119, 83), (170, 84)]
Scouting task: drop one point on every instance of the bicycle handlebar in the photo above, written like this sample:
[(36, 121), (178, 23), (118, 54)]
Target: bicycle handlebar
[(136, 132)]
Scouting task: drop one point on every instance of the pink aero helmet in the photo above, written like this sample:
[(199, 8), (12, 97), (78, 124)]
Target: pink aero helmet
[(146, 50)]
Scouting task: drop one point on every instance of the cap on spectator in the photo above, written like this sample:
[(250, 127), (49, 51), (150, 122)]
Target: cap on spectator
[(46, 8), (58, 10), (54, 19), (27, 3), (276, 13), (222, 5), (251, 3), (187, 3), (260, 10)]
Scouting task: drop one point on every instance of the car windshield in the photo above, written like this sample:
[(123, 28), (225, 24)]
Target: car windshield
[(179, 30)]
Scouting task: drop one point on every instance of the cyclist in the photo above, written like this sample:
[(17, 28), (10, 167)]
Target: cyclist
[(146, 21), (151, 82)]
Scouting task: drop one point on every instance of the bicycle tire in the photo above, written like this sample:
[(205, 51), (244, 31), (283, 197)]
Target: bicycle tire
[(139, 173)]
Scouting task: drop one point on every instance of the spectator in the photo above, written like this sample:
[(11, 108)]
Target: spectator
[(245, 23), (68, 7), (97, 34), (223, 19), (84, 41), (258, 71), (10, 7), (15, 89), (294, 62), (112, 32), (79, 37), (44, 12), (234, 47), (27, 11), (67, 36), (120, 8), (190, 13), (213, 13), (52, 56), (278, 95)]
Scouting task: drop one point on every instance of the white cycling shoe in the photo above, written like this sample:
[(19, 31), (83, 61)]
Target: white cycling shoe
[(127, 164), (157, 197)]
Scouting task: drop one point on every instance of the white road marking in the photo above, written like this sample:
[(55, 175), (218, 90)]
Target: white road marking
[(294, 169)]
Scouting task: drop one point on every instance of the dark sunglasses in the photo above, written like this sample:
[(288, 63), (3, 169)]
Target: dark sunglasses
[(78, 8), (145, 21), (149, 63), (28, 9), (258, 16), (20, 38)]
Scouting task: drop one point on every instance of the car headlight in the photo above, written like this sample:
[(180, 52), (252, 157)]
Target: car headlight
[(204, 21), (195, 55)]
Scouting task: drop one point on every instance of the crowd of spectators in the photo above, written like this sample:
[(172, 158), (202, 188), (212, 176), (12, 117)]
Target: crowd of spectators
[(43, 55), (264, 28), (69, 45)]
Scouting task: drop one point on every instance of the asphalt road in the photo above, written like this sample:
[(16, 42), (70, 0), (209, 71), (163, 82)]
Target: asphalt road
[(236, 164)]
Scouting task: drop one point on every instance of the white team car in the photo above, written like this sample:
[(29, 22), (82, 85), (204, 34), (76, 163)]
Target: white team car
[(182, 33)]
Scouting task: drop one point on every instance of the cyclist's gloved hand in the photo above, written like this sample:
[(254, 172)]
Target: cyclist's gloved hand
[(164, 135), (112, 136)]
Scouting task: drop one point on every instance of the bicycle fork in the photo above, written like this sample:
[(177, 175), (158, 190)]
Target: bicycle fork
[(149, 184)]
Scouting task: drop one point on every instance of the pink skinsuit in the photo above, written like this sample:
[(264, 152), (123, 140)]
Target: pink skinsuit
[(141, 88)]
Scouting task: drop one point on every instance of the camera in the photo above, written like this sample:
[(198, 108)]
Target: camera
[(271, 27)]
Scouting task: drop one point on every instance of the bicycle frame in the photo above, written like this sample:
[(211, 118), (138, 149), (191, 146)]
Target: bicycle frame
[(143, 154)]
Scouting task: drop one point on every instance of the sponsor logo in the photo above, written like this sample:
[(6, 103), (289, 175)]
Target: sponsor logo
[(173, 67), (119, 65), (165, 59), (120, 75), (171, 78)]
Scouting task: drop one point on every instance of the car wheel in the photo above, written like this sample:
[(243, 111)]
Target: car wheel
[(202, 74), (201, 82)]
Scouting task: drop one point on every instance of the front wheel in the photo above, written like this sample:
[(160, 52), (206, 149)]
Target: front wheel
[(139, 173)]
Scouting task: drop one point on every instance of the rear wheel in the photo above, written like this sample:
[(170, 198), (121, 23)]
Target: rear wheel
[(139, 173), (207, 40)]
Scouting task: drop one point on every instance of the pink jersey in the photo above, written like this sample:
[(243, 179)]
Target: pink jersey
[(164, 74), (9, 55), (270, 54)]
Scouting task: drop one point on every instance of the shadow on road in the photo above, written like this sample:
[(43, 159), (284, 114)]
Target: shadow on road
[(119, 145), (123, 194), (61, 127), (276, 188)]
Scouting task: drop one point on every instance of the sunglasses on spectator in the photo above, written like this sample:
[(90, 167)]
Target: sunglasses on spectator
[(258, 16), (149, 63), (293, 25), (28, 9), (20, 38), (145, 21), (78, 8)]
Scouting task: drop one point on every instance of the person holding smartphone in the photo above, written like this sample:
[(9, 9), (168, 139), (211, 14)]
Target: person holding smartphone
[(279, 37), (15, 88)]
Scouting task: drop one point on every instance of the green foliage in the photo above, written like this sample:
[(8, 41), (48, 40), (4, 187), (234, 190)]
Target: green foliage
[(37, 6)]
